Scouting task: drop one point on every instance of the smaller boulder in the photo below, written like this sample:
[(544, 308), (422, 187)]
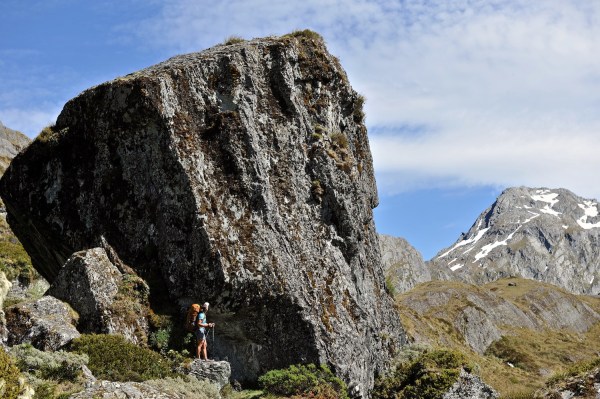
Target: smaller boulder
[(470, 386), (107, 300), (216, 372), (47, 323)]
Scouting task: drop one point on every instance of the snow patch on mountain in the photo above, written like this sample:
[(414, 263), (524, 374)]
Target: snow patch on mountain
[(486, 249), (472, 240), (590, 209), (545, 196), (456, 267)]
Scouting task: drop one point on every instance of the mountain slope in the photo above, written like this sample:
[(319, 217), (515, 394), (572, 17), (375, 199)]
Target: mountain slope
[(11, 143), (403, 265), (519, 331), (542, 234)]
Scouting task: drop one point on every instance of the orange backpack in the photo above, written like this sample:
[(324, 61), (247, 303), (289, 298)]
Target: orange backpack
[(192, 315)]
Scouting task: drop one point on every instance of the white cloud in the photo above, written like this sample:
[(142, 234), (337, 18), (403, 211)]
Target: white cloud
[(464, 92)]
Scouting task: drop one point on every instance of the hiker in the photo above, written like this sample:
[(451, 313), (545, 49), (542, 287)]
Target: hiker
[(201, 332)]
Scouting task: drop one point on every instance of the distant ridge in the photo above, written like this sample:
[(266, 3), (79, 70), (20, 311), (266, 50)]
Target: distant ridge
[(11, 143), (550, 235)]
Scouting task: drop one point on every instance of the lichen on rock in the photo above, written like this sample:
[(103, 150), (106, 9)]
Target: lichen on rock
[(200, 173)]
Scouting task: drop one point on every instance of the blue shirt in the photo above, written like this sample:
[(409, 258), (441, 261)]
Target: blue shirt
[(202, 319)]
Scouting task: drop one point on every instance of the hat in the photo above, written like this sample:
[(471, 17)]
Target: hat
[(205, 305)]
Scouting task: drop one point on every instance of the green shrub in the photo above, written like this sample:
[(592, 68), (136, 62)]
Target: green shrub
[(303, 380), (428, 376), (59, 366), (113, 358), (10, 386), (389, 286)]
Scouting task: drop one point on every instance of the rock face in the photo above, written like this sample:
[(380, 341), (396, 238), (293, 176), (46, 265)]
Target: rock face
[(11, 142), (216, 372), (470, 386), (47, 324), (241, 176), (546, 235), (95, 288), (403, 265)]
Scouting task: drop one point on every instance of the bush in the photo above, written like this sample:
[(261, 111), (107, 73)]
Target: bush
[(306, 34), (233, 40), (305, 380), (60, 366), (10, 386), (428, 376), (112, 358), (339, 139)]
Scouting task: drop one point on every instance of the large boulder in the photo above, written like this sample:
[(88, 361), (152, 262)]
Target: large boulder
[(47, 324), (241, 176), (107, 301), (470, 386)]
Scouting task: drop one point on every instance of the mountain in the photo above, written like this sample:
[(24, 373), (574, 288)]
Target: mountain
[(549, 235), (403, 265), (241, 176), (11, 143), (518, 331)]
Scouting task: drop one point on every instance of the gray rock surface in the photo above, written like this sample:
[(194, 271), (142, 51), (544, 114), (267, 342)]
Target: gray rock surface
[(11, 142), (218, 372), (241, 174), (538, 233), (47, 324), (470, 386), (403, 265), (94, 287), (122, 390)]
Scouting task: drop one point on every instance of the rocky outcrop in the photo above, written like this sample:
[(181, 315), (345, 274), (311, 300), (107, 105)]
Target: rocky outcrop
[(11, 142), (241, 176), (538, 233), (470, 386), (47, 324), (403, 265), (107, 301), (217, 372), (118, 390), (583, 386)]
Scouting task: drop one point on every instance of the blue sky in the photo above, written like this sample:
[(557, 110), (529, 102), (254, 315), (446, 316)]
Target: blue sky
[(464, 98)]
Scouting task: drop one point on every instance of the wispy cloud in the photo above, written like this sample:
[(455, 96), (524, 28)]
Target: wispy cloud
[(463, 92)]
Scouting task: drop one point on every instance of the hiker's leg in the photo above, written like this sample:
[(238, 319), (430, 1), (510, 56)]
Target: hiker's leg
[(198, 348), (204, 350)]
